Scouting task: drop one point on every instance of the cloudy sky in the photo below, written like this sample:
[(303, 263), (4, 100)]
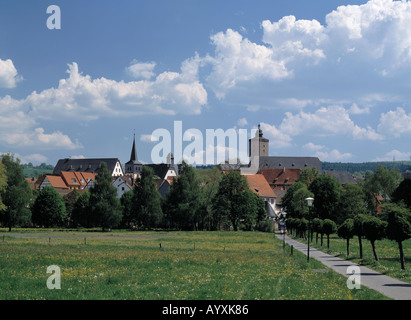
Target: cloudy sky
[(324, 78)]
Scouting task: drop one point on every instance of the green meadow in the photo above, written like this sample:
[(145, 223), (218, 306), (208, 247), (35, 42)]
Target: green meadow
[(164, 265), (387, 251)]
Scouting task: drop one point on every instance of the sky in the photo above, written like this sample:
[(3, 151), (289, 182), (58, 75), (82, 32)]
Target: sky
[(324, 78)]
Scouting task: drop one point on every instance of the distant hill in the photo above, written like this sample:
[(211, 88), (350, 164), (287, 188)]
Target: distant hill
[(31, 171), (361, 168)]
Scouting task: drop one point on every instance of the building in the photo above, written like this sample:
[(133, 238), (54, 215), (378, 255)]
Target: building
[(77, 179), (280, 179), (259, 156), (259, 185), (92, 165), (343, 176), (123, 184), (133, 167)]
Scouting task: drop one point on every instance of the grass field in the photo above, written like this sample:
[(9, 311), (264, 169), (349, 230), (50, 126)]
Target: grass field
[(164, 265), (387, 251)]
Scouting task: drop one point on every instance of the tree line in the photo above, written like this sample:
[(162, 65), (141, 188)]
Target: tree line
[(196, 200), (377, 208)]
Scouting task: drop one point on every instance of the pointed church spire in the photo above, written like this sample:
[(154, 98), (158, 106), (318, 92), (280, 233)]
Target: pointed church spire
[(133, 156)]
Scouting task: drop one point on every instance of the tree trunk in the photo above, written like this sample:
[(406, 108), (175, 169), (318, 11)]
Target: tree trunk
[(328, 241), (360, 244), (322, 236), (348, 247), (401, 255), (373, 250)]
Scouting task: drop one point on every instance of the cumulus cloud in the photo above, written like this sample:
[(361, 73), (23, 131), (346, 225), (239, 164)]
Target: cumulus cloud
[(237, 60), (38, 138), (8, 74), (333, 155), (394, 155), (395, 122), (142, 70), (277, 137), (326, 120)]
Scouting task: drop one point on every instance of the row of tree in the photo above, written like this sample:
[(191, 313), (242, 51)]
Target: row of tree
[(196, 200), (377, 208)]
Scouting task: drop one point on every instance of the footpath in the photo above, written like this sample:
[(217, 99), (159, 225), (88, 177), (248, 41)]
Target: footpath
[(390, 287)]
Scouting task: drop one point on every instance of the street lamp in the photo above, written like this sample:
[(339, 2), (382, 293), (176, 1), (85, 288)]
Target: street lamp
[(284, 214), (309, 203)]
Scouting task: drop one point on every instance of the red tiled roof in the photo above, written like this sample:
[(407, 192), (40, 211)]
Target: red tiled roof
[(56, 182), (281, 176), (259, 185)]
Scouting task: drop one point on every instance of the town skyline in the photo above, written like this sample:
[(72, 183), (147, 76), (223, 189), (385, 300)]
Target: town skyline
[(327, 79)]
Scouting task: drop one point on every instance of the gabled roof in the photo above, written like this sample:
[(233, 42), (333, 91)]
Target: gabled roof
[(269, 162), (161, 169), (77, 179), (260, 186), (281, 176), (56, 181), (85, 165), (343, 176)]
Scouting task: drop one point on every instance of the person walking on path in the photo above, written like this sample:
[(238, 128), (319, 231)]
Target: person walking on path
[(388, 286)]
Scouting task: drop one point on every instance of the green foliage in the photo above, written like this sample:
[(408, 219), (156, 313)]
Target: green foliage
[(146, 204), (69, 200), (346, 229), (104, 205), (49, 209), (3, 185), (182, 200), (307, 175), (403, 193), (327, 191), (17, 196), (81, 211), (235, 202), (374, 229), (352, 202), (382, 182)]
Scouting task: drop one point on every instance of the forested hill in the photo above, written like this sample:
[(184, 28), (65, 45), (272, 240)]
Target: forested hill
[(402, 166), (31, 171)]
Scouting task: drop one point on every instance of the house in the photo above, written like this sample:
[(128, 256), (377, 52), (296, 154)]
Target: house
[(259, 185), (77, 180), (280, 179), (343, 176), (92, 165), (259, 156), (133, 167), (123, 184), (165, 170)]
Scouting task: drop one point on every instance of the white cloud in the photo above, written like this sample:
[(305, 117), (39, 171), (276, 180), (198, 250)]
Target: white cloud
[(237, 59), (333, 155), (242, 122), (394, 154), (168, 93), (8, 74), (278, 139), (38, 138), (355, 109), (141, 70), (395, 122), (333, 120), (312, 147), (148, 138)]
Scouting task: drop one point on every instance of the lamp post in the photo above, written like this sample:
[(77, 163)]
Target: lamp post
[(284, 214), (309, 203)]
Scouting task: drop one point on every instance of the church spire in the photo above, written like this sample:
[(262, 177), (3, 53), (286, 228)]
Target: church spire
[(133, 156)]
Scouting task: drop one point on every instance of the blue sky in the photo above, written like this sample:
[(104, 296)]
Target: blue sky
[(323, 78)]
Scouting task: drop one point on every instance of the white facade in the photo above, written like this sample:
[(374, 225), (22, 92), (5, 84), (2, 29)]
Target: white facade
[(121, 185)]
